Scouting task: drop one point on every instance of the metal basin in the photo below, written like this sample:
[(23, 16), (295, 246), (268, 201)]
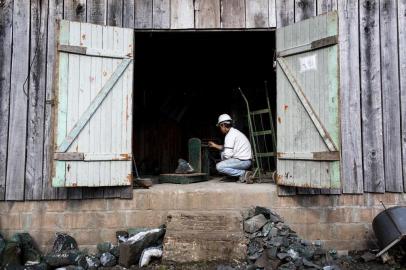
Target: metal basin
[(390, 227)]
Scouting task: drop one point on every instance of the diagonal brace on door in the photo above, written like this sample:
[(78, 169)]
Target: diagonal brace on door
[(94, 105), (306, 104)]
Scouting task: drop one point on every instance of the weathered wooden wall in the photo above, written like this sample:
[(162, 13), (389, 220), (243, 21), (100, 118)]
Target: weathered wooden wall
[(373, 88)]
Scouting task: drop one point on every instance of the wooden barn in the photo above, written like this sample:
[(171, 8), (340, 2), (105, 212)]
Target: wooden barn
[(88, 86)]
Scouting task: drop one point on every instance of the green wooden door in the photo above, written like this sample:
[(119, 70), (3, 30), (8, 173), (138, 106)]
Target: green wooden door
[(93, 126), (308, 128)]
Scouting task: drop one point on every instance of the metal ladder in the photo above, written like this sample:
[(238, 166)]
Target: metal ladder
[(262, 154)]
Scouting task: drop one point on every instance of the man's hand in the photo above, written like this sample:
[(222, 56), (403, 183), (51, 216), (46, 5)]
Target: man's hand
[(215, 145)]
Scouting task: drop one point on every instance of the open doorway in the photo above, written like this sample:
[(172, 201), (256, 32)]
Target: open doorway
[(185, 80)]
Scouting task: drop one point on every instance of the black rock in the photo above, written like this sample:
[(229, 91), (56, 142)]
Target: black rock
[(29, 250), (282, 255), (272, 252), (92, 262), (268, 213), (64, 242), (287, 266), (104, 247), (70, 267), (115, 251), (184, 167), (63, 258), (38, 266), (121, 236), (255, 223), (310, 264), (368, 256), (107, 259), (11, 255), (2, 245)]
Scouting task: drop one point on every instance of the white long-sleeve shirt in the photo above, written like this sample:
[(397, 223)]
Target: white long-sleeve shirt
[(237, 145)]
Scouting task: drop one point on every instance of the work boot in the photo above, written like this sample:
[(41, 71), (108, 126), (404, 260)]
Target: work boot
[(248, 176)]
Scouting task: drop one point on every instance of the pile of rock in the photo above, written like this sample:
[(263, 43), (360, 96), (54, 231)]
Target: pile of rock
[(274, 245), (135, 246)]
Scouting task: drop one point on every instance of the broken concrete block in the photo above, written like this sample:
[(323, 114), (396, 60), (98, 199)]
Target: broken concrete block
[(107, 259), (255, 223), (148, 254), (64, 242), (268, 213), (131, 250)]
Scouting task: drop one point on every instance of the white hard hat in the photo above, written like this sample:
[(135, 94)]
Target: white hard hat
[(223, 118)]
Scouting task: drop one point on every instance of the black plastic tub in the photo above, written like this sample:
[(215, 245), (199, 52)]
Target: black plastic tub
[(390, 227)]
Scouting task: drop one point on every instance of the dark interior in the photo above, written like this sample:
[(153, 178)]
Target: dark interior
[(185, 80)]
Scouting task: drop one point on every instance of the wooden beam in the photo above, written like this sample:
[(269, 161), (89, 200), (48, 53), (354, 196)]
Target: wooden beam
[(316, 156), (314, 45), (69, 156), (309, 109), (83, 50), (84, 118)]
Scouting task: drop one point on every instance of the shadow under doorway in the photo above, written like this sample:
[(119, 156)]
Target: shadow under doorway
[(184, 80)]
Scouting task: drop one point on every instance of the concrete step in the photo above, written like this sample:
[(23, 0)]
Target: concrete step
[(194, 236)]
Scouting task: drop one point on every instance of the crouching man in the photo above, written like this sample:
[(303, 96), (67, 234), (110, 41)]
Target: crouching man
[(236, 153)]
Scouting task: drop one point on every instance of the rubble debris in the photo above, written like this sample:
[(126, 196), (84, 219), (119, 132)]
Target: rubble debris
[(64, 242), (131, 250), (108, 259), (148, 254), (134, 231), (184, 167), (11, 254), (255, 223)]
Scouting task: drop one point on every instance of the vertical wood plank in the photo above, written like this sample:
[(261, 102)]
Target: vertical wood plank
[(55, 14), (143, 14), (324, 6), (351, 152), (390, 96), (114, 12), (284, 17), (161, 14), (36, 102), (18, 102), (6, 24), (372, 140), (402, 74), (285, 14), (99, 16), (304, 9), (96, 11), (256, 13), (232, 14), (272, 13), (128, 13), (182, 14), (207, 13), (75, 10)]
